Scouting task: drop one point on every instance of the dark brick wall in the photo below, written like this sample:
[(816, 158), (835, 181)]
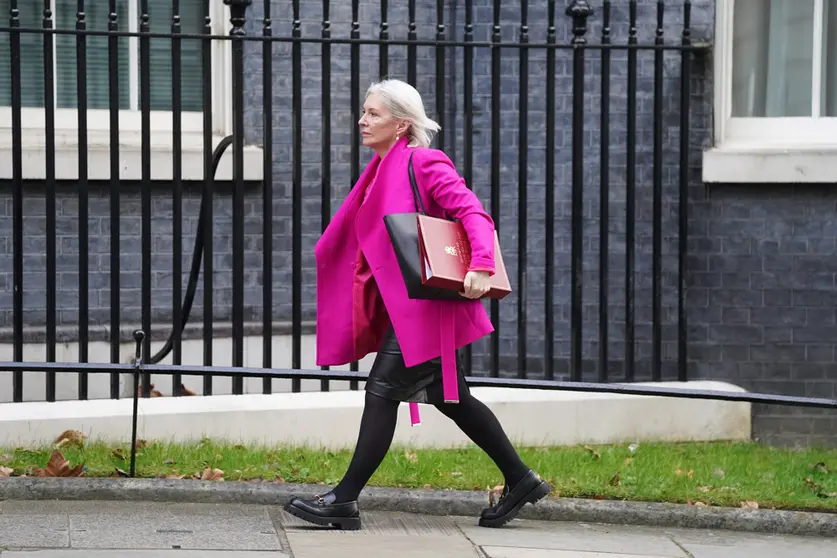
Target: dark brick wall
[(761, 283)]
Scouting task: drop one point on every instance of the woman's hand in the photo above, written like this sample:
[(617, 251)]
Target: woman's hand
[(477, 283)]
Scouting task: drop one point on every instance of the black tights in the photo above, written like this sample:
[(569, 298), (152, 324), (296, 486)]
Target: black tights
[(377, 428)]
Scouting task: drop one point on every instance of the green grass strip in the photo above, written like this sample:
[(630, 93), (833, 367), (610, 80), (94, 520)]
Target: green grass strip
[(715, 474)]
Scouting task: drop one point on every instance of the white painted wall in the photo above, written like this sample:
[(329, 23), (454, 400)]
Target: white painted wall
[(531, 418)]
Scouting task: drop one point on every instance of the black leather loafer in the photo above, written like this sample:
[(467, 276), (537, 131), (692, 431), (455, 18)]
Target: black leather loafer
[(321, 510), (528, 491)]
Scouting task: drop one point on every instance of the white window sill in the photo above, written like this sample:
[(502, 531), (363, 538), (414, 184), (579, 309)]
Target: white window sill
[(130, 157), (763, 164)]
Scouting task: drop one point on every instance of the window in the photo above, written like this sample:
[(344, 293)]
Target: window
[(64, 15), (775, 91)]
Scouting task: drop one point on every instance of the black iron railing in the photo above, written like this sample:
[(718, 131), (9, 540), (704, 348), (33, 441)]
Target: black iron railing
[(541, 54)]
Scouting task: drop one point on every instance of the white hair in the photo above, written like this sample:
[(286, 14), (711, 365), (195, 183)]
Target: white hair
[(405, 103)]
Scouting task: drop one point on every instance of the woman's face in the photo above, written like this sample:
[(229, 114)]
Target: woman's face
[(378, 127)]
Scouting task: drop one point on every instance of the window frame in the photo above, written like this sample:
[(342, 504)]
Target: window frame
[(130, 121), (765, 149)]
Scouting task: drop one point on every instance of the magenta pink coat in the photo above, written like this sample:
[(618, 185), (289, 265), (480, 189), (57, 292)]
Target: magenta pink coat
[(425, 329)]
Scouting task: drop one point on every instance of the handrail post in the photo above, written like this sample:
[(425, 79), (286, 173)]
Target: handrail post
[(139, 337)]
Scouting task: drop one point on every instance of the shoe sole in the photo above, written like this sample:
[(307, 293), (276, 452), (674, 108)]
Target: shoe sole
[(344, 523), (534, 495)]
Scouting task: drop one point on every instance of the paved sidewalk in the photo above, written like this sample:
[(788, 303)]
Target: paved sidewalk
[(53, 529)]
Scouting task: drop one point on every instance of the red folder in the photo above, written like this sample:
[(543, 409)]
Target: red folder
[(446, 256)]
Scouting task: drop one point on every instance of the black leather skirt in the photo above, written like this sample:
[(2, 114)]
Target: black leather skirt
[(391, 379)]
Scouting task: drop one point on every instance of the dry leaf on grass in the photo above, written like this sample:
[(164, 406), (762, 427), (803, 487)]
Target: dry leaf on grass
[(750, 505), (142, 444), (690, 473), (6, 472), (117, 453), (210, 474), (700, 505), (821, 468), (596, 455), (411, 457), (616, 480), (59, 467), (70, 437)]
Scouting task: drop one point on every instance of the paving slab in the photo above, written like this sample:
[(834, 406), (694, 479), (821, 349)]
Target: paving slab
[(579, 538), (382, 534), (508, 552), (69, 553), (726, 544), (34, 530)]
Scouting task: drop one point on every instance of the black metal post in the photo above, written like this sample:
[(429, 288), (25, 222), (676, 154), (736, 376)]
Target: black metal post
[(604, 198), (267, 197), (296, 209), (579, 11), (630, 195), (238, 10), (139, 337), (657, 211), (683, 210), (83, 199)]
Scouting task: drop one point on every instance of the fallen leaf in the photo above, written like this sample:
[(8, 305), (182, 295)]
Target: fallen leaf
[(6, 472), (700, 505), (750, 505), (59, 467), (5, 457), (428, 487), (121, 473), (690, 473), (186, 391), (812, 485), (821, 468), (141, 444), (210, 474), (616, 480), (153, 392), (117, 453), (279, 480), (411, 457), (70, 437), (704, 489), (596, 455)]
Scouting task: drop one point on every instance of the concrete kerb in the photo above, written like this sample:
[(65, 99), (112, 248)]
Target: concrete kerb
[(428, 502)]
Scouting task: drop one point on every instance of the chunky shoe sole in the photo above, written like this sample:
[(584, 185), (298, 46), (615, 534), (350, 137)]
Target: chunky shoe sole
[(534, 495), (344, 523)]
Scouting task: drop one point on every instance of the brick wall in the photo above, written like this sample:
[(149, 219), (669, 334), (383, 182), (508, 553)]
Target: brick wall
[(761, 287)]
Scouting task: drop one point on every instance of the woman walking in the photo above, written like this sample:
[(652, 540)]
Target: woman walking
[(363, 307)]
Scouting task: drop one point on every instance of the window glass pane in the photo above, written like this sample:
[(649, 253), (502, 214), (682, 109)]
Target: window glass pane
[(829, 59), (772, 58), (191, 23), (97, 55), (31, 55)]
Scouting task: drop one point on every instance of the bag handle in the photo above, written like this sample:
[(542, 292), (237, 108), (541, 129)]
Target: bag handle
[(416, 196)]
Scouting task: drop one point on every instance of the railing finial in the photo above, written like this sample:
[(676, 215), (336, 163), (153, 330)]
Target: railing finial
[(579, 10), (238, 9)]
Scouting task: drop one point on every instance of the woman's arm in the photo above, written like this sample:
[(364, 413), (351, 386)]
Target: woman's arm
[(436, 174)]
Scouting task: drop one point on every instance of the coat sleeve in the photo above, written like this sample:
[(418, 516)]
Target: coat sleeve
[(437, 176)]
